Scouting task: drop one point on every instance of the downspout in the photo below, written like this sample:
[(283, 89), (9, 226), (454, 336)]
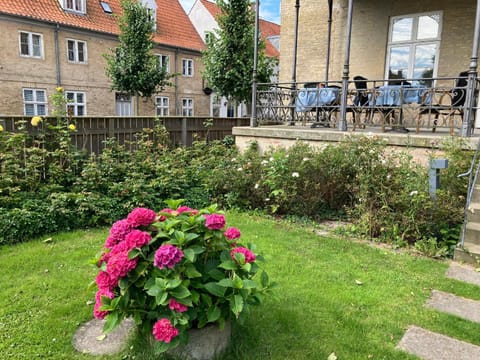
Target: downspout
[(472, 79), (294, 67), (177, 105), (57, 56), (342, 124), (329, 39)]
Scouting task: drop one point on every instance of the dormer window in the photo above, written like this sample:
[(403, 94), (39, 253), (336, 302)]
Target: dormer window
[(151, 5), (77, 6)]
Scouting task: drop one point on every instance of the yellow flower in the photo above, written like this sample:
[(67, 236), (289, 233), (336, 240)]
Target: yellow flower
[(1, 128), (59, 89), (72, 127), (36, 120)]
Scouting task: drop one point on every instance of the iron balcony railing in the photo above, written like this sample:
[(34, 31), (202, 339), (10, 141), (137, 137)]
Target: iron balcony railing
[(405, 105)]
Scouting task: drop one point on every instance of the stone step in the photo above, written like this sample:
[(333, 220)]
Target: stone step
[(467, 309), (464, 273), (476, 193), (472, 233), (473, 213), (428, 345), (470, 254)]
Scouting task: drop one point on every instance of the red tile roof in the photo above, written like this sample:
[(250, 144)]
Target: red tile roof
[(173, 26), (266, 28)]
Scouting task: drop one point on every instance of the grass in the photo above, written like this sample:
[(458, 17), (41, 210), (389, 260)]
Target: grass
[(334, 295)]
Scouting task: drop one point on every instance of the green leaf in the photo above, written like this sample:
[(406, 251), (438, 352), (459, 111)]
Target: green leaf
[(192, 272), (161, 298), (112, 321), (215, 289), (237, 282), (229, 264), (213, 313), (247, 267), (191, 236), (134, 253), (155, 290), (197, 249), (180, 292), (226, 283), (189, 255), (173, 283), (236, 304), (249, 284), (216, 274), (264, 279)]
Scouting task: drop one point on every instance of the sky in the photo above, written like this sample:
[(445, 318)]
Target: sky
[(269, 9)]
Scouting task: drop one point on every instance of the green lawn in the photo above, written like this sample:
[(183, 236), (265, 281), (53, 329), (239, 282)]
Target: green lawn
[(333, 295)]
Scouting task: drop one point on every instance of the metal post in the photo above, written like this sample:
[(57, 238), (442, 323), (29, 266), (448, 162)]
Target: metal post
[(294, 68), (434, 175), (472, 79), (329, 39), (342, 124), (253, 118)]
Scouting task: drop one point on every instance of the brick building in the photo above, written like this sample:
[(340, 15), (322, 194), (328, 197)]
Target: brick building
[(51, 43)]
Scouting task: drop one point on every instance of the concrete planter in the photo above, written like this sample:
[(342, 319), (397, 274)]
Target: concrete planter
[(206, 343)]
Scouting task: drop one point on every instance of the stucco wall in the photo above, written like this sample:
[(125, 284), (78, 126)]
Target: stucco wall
[(369, 36)]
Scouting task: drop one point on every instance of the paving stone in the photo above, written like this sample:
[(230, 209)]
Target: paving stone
[(463, 273), (432, 346), (89, 337), (465, 308)]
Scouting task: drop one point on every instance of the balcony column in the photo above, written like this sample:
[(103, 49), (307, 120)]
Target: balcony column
[(253, 118), (342, 124), (293, 95), (468, 112)]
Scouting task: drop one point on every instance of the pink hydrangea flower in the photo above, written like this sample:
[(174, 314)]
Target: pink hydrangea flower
[(176, 306), (137, 239), (163, 330), (167, 256), (118, 231), (141, 217), (215, 221), (162, 217), (97, 313), (119, 264), (232, 233), (249, 255), (183, 209), (105, 282)]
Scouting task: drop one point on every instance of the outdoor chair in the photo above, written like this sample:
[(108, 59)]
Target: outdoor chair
[(361, 101)]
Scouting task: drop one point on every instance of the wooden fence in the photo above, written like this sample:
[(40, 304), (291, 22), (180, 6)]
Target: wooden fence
[(92, 132)]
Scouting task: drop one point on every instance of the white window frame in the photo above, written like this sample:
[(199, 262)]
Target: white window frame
[(76, 6), (162, 105), (151, 5), (76, 51), (164, 60), (35, 102), (30, 50), (187, 67), (187, 107), (413, 42), (75, 104)]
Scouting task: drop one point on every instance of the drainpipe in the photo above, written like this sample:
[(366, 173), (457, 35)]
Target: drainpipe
[(329, 38), (472, 79), (294, 68), (342, 124), (57, 56), (177, 106)]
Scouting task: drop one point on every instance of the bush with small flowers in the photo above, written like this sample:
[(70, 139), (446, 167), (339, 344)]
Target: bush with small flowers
[(176, 269)]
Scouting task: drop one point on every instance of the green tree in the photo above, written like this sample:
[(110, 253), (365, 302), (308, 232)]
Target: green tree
[(228, 59), (132, 67)]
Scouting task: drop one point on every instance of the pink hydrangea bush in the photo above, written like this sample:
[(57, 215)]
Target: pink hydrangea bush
[(174, 270)]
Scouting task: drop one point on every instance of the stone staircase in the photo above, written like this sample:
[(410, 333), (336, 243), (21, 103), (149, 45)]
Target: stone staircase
[(470, 253)]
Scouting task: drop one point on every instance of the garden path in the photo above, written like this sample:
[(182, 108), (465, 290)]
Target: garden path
[(428, 345)]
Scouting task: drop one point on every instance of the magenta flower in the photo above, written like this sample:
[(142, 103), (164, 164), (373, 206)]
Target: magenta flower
[(215, 221), (118, 264), (183, 209), (97, 313), (162, 217), (174, 305), (105, 282), (232, 233), (137, 239), (141, 217), (249, 255), (163, 330), (167, 256), (118, 231)]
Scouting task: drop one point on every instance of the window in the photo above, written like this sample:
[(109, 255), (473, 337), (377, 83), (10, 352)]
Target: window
[(162, 105), (31, 44), (187, 107), (413, 46), (164, 61), (208, 37), (151, 6), (34, 102), (187, 67), (123, 104), (74, 5), (75, 103), (106, 7), (77, 51)]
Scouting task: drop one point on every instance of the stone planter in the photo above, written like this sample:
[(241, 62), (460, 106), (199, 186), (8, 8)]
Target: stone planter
[(206, 343)]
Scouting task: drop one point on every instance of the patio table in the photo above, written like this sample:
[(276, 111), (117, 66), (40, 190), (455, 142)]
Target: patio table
[(312, 98)]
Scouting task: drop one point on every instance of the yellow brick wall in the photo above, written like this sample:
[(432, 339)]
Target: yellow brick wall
[(369, 36), (18, 72)]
